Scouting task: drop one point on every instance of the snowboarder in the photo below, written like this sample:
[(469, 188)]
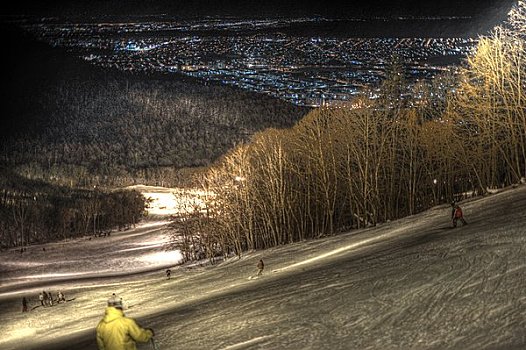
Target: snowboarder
[(41, 298), (260, 267), (168, 274), (116, 331), (24, 304), (456, 214)]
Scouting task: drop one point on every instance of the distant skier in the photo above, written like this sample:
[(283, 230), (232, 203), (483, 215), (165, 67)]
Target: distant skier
[(456, 214), (60, 297), (50, 299), (116, 331), (168, 274), (24, 304), (45, 299), (260, 267), (41, 298)]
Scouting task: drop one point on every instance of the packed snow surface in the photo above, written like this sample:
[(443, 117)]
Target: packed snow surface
[(407, 284)]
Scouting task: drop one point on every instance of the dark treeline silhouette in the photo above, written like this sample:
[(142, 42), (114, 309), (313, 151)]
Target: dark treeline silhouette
[(33, 211), (378, 160)]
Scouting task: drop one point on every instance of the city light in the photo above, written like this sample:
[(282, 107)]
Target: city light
[(289, 67)]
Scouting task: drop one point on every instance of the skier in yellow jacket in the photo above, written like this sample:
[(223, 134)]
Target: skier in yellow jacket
[(118, 332)]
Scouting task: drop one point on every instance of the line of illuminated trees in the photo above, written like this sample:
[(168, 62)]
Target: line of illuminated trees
[(381, 160)]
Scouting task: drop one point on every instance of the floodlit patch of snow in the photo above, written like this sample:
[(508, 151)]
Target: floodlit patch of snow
[(163, 258), (164, 202), (18, 264), (492, 190), (153, 241), (23, 331), (55, 275), (245, 344), (161, 203), (150, 224), (340, 250), (135, 249)]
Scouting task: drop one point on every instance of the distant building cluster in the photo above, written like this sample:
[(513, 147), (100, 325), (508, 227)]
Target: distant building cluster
[(307, 71)]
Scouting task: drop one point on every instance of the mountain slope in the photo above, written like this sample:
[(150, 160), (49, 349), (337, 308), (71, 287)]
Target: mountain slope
[(412, 283)]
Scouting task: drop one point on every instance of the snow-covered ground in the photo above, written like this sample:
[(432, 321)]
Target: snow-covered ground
[(408, 284)]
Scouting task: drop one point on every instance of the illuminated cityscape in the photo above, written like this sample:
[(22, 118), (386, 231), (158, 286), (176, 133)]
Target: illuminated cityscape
[(262, 55)]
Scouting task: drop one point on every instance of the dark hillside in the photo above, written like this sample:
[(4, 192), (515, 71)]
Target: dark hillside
[(80, 125)]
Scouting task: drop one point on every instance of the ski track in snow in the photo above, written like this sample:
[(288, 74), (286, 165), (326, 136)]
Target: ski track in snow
[(407, 284)]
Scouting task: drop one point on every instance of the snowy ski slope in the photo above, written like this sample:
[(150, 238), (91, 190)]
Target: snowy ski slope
[(407, 284)]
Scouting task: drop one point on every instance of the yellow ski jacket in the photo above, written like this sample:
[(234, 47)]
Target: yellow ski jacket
[(118, 332)]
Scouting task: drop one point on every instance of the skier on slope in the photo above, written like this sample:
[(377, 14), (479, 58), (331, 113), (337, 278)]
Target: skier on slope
[(45, 298), (118, 332), (24, 304), (260, 267), (456, 214)]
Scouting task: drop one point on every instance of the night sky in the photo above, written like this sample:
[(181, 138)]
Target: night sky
[(259, 8)]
